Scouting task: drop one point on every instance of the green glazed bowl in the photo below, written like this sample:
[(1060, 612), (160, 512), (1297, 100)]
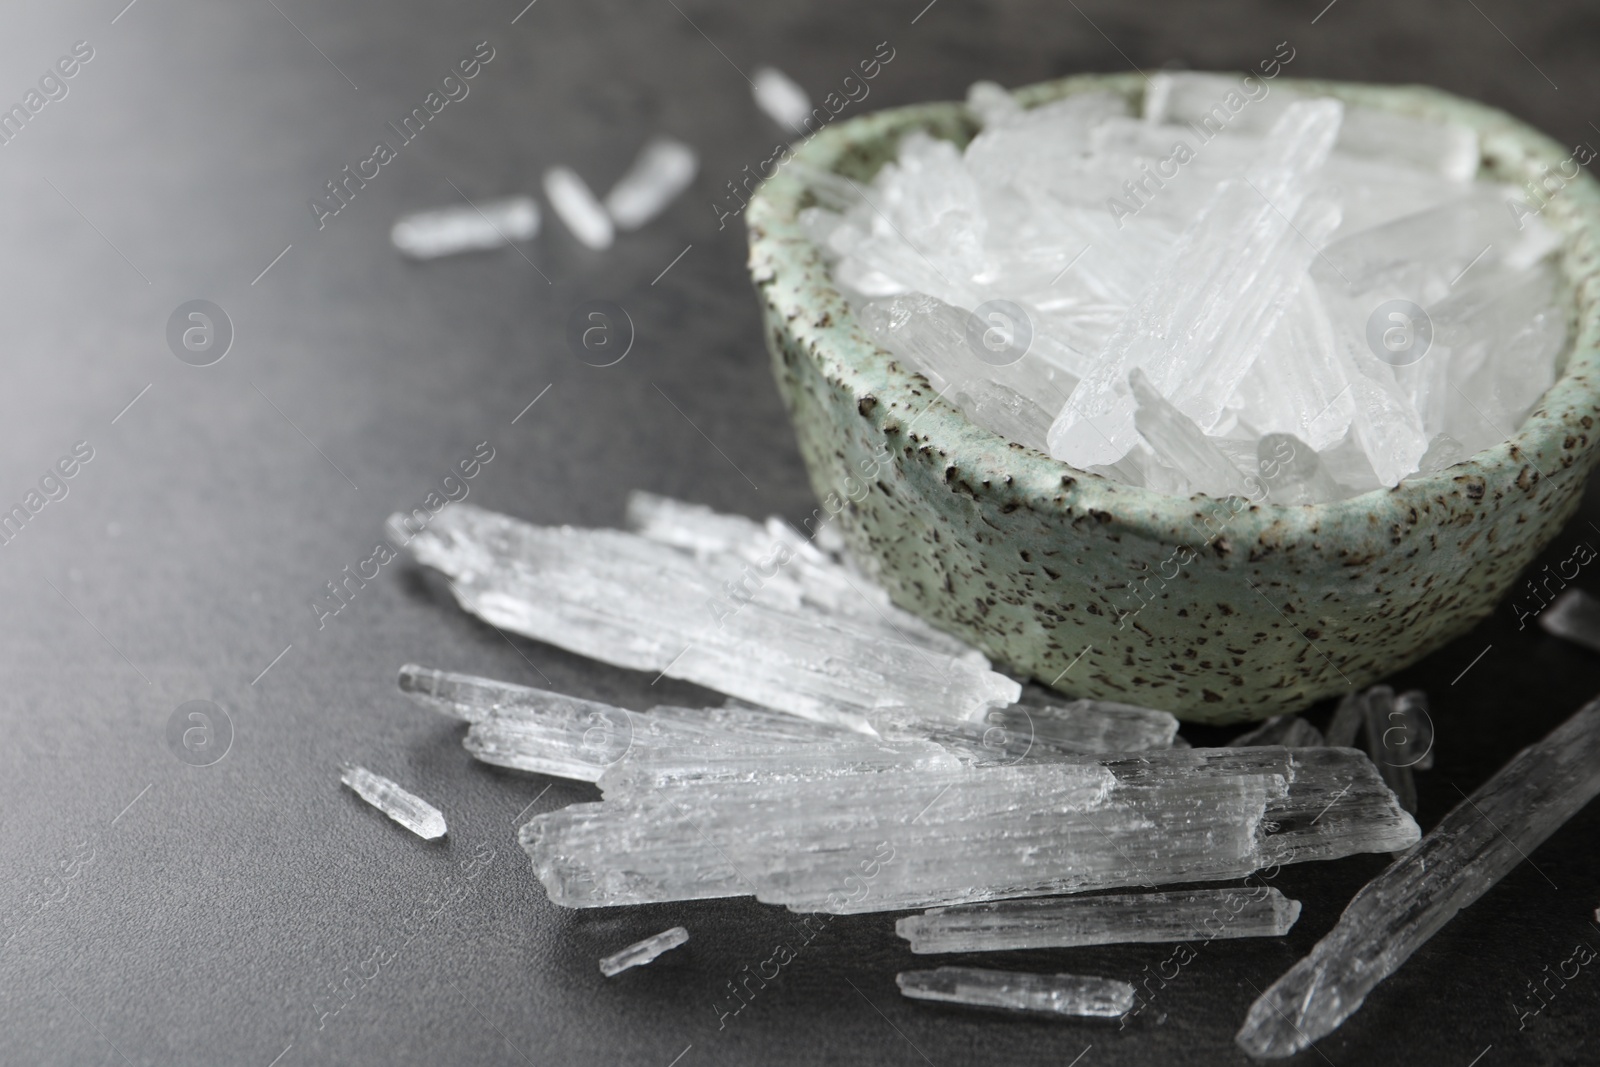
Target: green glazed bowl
[(1217, 610)]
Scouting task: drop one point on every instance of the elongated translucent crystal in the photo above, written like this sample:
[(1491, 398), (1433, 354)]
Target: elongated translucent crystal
[(576, 206), (405, 808), (663, 169), (1574, 616), (1048, 994), (1387, 746), (469, 228), (552, 733), (892, 825), (633, 602), (780, 96), (1471, 849), (643, 952), (1101, 919), (1290, 731)]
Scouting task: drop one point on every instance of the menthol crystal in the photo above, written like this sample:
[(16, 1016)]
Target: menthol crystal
[(1045, 994), (788, 632), (575, 205), (1574, 616), (405, 808), (466, 228), (867, 825), (664, 169), (1102, 919), (1395, 914), (1251, 290), (643, 952)]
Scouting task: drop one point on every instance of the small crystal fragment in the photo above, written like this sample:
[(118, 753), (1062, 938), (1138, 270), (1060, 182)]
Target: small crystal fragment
[(1292, 472), (1291, 731), (405, 808), (1047, 994), (664, 169), (1574, 616), (1108, 919), (781, 97), (1470, 850), (643, 952), (447, 231), (577, 207), (1087, 725), (992, 105)]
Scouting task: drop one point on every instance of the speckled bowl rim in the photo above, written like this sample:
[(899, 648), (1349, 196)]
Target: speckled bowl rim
[(790, 272)]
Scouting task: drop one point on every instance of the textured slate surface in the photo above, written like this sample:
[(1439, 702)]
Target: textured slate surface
[(157, 912)]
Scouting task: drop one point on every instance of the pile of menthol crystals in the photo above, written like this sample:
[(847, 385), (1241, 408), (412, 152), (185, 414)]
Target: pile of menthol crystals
[(1242, 291)]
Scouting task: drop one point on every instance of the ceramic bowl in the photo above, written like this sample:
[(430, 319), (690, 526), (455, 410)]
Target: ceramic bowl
[(1106, 590)]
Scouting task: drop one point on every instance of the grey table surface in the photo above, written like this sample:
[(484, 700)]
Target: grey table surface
[(250, 911)]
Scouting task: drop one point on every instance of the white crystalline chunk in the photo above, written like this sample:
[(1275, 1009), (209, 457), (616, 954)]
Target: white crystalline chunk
[(664, 169), (1101, 919), (781, 97), (576, 206), (405, 808), (1472, 848), (636, 603), (447, 231), (1048, 994), (643, 952)]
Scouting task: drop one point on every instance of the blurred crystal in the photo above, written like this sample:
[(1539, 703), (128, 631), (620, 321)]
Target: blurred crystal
[(447, 231), (663, 169), (1101, 919), (1574, 616), (405, 808), (643, 952), (781, 97), (1047, 994), (880, 826), (992, 104), (576, 206), (1473, 847), (719, 621)]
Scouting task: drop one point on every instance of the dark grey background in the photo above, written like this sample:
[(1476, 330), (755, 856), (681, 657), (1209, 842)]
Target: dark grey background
[(156, 912)]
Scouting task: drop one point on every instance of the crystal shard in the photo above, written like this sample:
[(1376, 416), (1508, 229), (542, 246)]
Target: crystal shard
[(447, 231), (633, 602), (1110, 919), (405, 808), (643, 952), (576, 206), (1574, 616), (663, 170), (552, 733), (1290, 731), (1471, 849), (1047, 994), (887, 825)]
